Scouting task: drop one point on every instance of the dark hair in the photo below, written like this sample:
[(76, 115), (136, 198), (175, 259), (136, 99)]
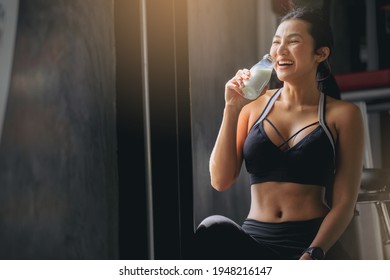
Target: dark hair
[(322, 34)]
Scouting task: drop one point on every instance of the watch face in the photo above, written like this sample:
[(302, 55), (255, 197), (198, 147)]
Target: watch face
[(317, 253)]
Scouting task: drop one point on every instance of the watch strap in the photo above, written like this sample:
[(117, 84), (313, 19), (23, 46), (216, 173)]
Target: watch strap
[(316, 253)]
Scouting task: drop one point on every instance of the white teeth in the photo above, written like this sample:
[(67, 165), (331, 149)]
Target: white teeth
[(285, 62)]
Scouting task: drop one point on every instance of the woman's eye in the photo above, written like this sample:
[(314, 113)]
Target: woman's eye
[(294, 41)]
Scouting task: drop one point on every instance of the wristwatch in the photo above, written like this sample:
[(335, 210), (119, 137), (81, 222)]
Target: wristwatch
[(316, 253)]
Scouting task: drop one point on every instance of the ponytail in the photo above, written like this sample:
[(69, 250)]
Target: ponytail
[(330, 87), (326, 81)]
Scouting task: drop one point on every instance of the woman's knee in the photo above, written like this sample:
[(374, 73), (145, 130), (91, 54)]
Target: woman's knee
[(218, 230), (217, 221), (217, 237)]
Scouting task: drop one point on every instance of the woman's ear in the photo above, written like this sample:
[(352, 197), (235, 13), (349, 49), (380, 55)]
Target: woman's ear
[(322, 54)]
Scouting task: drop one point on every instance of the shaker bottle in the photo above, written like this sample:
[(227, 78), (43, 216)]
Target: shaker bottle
[(260, 76)]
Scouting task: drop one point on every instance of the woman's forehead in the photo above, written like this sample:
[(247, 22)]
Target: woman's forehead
[(293, 26)]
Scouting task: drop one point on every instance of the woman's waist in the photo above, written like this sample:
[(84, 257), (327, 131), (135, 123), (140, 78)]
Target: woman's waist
[(294, 233), (279, 202), (281, 214)]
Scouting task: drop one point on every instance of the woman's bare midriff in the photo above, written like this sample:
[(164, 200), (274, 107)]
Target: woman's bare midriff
[(281, 202)]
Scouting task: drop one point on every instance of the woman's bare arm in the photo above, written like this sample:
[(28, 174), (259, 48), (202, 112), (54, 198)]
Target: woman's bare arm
[(347, 181)]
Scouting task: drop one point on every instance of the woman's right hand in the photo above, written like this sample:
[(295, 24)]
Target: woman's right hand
[(233, 89)]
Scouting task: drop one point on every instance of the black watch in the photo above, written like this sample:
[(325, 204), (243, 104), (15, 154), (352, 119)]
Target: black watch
[(316, 253)]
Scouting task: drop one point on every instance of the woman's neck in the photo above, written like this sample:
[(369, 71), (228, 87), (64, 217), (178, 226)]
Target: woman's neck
[(301, 94)]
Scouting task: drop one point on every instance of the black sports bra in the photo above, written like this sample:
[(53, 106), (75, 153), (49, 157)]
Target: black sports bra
[(311, 161)]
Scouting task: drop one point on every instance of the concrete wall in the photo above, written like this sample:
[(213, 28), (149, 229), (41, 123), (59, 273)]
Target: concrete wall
[(58, 175)]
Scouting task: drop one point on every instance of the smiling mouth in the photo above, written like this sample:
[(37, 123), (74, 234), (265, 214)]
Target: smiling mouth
[(285, 63)]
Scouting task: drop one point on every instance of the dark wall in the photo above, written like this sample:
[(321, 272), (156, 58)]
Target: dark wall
[(154, 129), (58, 178), (222, 39), (130, 132), (170, 127)]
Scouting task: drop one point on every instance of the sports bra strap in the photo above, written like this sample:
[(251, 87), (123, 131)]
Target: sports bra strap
[(269, 105), (321, 115), (296, 133), (321, 119)]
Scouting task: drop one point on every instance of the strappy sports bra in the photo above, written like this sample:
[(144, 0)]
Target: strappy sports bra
[(310, 161)]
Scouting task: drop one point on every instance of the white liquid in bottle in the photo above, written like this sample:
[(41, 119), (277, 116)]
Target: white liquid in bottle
[(259, 78)]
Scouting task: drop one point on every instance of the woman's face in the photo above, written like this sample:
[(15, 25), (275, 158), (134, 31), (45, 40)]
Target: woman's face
[(293, 50)]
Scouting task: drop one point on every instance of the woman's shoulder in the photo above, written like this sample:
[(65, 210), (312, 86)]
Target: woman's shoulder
[(254, 109), (261, 102), (342, 112), (251, 112), (341, 106)]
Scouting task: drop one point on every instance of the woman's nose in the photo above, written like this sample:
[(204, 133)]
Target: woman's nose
[(281, 50)]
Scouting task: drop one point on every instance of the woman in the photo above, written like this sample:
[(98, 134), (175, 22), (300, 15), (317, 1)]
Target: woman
[(297, 144)]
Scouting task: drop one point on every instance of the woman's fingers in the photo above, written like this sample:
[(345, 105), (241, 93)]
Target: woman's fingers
[(241, 75), (246, 74)]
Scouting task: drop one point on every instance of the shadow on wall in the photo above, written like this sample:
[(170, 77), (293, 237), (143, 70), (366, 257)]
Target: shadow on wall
[(218, 48), (58, 176)]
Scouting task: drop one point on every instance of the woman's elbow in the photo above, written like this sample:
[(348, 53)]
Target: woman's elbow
[(222, 178), (221, 184)]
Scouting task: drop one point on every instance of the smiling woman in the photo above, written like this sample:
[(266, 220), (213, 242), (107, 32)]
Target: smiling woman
[(323, 46), (299, 147)]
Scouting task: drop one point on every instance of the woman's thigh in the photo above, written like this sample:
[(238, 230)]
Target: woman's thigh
[(218, 237)]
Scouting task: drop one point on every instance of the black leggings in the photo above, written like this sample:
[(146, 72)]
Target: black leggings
[(218, 237)]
